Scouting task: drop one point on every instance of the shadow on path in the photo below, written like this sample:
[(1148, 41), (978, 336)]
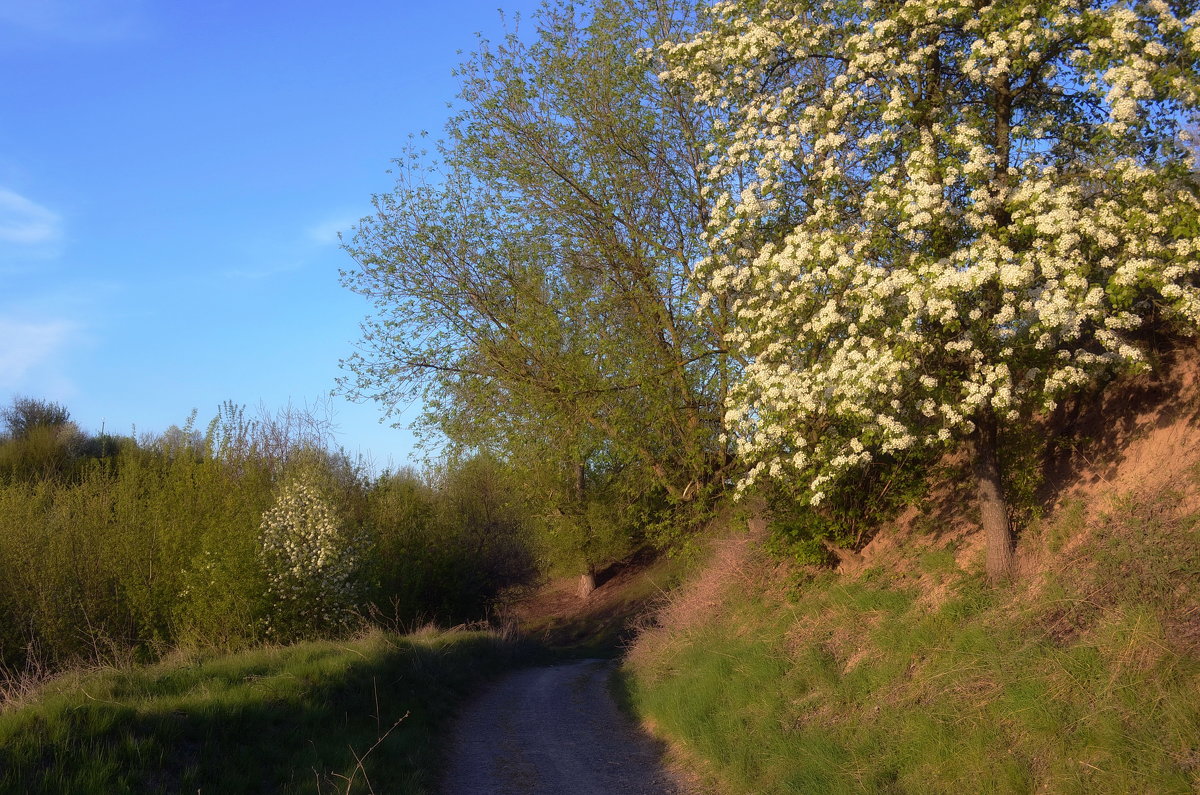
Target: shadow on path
[(543, 731)]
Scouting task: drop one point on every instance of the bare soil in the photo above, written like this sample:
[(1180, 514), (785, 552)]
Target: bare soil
[(602, 624)]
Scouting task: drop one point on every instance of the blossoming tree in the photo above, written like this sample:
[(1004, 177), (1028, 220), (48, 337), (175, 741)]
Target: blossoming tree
[(313, 561), (961, 210)]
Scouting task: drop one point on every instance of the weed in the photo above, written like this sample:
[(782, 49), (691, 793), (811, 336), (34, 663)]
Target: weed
[(938, 562), (1069, 521)]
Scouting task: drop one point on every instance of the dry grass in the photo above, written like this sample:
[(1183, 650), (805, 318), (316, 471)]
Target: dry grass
[(18, 687), (732, 563), (555, 616)]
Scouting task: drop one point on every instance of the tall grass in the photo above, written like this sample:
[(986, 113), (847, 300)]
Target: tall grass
[(1086, 683)]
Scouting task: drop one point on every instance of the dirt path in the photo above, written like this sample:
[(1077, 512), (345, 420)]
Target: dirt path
[(544, 731)]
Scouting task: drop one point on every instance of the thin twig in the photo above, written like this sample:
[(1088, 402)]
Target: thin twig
[(359, 760)]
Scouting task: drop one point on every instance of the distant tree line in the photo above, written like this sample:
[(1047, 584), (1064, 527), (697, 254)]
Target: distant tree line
[(250, 530)]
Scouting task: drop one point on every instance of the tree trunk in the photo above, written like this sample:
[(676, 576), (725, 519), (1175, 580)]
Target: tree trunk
[(993, 509), (587, 581), (587, 584)]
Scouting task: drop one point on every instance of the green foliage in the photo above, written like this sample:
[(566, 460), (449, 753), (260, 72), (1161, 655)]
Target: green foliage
[(102, 561), (129, 549), (1022, 457), (402, 518), (41, 452), (483, 529), (533, 286), (27, 414), (588, 515), (853, 511)]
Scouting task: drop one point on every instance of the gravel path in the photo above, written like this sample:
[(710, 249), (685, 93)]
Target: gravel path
[(544, 731)]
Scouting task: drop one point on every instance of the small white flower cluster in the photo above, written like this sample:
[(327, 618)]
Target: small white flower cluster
[(935, 211), (312, 561)]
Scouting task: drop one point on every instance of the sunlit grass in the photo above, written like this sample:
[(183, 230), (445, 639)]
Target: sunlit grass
[(1086, 685)]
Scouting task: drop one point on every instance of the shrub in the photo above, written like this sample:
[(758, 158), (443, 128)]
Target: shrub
[(313, 562)]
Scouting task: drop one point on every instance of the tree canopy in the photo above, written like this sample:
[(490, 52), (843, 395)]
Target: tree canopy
[(533, 288), (25, 414), (960, 211)]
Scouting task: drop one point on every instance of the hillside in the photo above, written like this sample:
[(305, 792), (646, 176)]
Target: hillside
[(902, 671), (554, 616), (899, 670)]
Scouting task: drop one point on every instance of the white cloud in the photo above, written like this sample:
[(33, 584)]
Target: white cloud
[(27, 223), (75, 20), (325, 233), (26, 346)]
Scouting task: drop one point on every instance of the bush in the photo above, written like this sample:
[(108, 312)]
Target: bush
[(313, 562), (853, 509)]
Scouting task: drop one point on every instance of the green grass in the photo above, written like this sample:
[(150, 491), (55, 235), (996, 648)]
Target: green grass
[(1089, 685), (361, 715)]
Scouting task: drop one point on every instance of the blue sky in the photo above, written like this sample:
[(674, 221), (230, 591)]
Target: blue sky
[(172, 179)]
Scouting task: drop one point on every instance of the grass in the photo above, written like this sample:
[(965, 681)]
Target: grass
[(362, 715), (1088, 684), (357, 716)]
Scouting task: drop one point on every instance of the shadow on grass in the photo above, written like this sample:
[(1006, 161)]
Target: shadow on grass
[(603, 626), (362, 716)]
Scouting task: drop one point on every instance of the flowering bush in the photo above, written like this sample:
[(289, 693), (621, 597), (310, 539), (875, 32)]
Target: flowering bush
[(960, 212), (313, 562)]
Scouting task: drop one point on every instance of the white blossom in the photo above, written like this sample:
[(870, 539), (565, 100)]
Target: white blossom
[(312, 560), (931, 273)]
